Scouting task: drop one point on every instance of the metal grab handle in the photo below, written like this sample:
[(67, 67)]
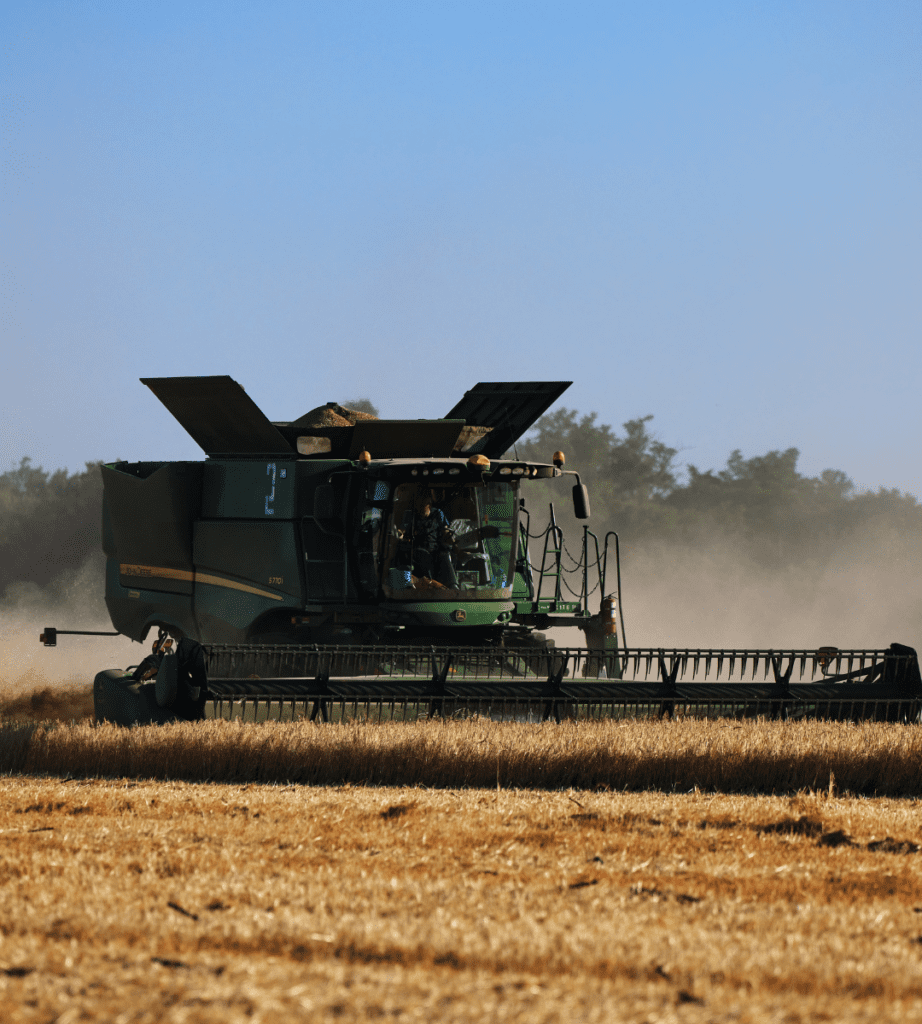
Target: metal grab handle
[(50, 637)]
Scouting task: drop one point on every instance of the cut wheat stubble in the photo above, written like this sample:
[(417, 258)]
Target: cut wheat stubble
[(224, 902)]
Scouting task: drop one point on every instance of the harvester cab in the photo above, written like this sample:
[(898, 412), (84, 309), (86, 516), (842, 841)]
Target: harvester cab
[(337, 527)]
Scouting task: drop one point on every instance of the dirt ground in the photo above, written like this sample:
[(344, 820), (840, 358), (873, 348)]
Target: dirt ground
[(124, 901)]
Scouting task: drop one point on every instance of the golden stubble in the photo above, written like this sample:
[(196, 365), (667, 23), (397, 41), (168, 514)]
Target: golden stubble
[(132, 901)]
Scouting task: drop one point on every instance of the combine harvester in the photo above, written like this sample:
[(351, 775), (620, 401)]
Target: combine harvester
[(344, 566)]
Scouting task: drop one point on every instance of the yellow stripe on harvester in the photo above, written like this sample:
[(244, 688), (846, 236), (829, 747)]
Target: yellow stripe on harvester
[(162, 573)]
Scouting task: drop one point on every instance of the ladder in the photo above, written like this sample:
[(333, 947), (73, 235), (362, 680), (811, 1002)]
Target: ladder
[(550, 557)]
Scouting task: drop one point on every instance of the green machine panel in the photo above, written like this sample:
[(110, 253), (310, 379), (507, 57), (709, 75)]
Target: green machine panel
[(259, 558), (150, 508), (238, 489)]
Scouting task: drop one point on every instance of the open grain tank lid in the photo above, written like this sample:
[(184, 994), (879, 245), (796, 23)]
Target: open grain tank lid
[(219, 415), (224, 421), (507, 409)]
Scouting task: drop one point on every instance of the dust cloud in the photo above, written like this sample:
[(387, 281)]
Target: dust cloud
[(27, 666), (723, 590), (867, 594)]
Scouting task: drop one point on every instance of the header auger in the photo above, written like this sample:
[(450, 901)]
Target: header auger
[(340, 564)]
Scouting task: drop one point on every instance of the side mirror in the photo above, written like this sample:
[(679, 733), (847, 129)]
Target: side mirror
[(581, 501), (325, 503)]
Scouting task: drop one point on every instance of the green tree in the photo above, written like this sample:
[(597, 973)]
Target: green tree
[(362, 405), (635, 467), (49, 522), (628, 475), (762, 502)]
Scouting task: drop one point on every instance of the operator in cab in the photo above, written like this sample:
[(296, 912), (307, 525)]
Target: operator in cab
[(427, 540)]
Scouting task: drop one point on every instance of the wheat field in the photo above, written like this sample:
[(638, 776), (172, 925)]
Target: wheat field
[(126, 901), (457, 871), (872, 759)]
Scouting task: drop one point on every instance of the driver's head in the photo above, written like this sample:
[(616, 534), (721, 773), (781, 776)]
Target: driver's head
[(422, 503)]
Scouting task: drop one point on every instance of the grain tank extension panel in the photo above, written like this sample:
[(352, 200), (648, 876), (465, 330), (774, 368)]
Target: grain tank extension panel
[(219, 415), (509, 408)]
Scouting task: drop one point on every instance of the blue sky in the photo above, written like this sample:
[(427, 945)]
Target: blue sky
[(706, 211)]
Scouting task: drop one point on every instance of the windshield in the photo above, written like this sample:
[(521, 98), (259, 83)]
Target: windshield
[(446, 542)]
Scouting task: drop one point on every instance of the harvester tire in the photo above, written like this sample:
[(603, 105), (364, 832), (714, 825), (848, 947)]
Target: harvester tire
[(167, 683), (118, 699)]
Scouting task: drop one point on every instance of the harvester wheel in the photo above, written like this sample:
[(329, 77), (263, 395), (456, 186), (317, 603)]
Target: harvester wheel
[(117, 698), (167, 681)]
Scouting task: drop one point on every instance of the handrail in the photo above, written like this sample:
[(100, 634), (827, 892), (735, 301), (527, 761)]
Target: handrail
[(587, 533), (552, 553), (611, 533)]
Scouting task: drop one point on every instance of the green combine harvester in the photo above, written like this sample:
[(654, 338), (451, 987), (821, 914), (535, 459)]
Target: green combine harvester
[(343, 566)]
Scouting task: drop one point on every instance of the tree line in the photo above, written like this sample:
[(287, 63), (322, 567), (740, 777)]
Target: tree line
[(639, 489), (49, 526), (50, 521)]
